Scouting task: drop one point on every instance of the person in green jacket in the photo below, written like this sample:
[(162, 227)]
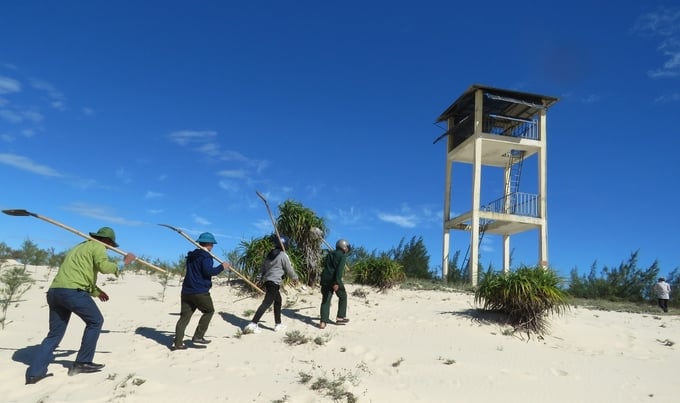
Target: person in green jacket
[(331, 282), (71, 291)]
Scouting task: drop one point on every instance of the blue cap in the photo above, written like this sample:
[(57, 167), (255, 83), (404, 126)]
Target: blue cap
[(206, 237)]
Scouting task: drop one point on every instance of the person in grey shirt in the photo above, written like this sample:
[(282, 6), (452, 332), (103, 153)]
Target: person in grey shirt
[(275, 265), (663, 293)]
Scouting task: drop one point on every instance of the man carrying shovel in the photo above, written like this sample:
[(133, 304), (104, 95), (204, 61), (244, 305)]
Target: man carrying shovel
[(196, 291), (71, 291)]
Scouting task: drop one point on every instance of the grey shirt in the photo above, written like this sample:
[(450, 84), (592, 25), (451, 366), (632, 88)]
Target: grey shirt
[(274, 267)]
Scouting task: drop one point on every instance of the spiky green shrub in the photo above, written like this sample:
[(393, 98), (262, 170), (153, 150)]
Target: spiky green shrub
[(296, 222), (381, 272), (527, 296), (252, 253)]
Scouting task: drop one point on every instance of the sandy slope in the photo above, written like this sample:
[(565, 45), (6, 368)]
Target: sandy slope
[(400, 346)]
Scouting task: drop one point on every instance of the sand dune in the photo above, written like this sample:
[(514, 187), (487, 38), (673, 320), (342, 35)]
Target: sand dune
[(399, 346)]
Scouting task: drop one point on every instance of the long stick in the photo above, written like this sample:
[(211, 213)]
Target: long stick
[(318, 231), (213, 256), (24, 213), (271, 217)]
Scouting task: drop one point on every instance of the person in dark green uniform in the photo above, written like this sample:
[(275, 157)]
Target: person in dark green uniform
[(331, 282)]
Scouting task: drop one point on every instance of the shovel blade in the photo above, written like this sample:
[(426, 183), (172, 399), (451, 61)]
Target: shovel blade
[(17, 212), (169, 226)]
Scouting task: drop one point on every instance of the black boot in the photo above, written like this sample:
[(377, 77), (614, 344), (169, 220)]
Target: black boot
[(35, 379), (84, 368), (200, 340)]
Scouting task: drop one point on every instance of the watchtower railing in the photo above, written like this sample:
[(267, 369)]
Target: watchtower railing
[(509, 126), (518, 203)]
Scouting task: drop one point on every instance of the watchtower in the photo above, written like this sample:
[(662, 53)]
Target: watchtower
[(499, 129)]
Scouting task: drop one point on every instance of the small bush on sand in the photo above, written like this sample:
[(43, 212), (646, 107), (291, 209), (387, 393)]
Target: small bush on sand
[(381, 272), (14, 282), (527, 296)]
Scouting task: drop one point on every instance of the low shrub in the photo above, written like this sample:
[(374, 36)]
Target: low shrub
[(527, 296)]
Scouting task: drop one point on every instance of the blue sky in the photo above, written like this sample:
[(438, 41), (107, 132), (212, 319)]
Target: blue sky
[(129, 114)]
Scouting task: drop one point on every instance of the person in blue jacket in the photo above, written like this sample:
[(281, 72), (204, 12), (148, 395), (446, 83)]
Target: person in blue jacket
[(196, 291)]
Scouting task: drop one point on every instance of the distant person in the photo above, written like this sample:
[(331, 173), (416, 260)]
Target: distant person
[(275, 265), (71, 291), (663, 292), (331, 282), (196, 291)]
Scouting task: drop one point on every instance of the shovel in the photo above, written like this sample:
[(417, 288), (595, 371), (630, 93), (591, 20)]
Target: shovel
[(213, 256), (24, 213)]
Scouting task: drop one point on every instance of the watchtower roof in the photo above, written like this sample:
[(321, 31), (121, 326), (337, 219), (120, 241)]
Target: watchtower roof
[(498, 101)]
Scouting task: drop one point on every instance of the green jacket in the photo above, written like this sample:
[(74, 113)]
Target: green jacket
[(81, 265), (333, 268)]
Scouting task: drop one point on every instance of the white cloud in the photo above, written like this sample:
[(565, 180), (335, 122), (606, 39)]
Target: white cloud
[(10, 116), (672, 97), (406, 221), (229, 186), (26, 164), (591, 99), (9, 85), (28, 132), (233, 173), (122, 174), (57, 99), (101, 213), (184, 137), (200, 220), (663, 23), (153, 195), (344, 216)]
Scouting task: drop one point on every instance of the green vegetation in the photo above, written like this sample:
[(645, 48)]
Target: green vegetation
[(626, 282), (408, 266), (14, 282), (381, 272), (527, 296), (334, 386), (295, 337)]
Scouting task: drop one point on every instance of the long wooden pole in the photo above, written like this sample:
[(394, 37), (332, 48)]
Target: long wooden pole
[(332, 249), (188, 238), (276, 230), (24, 213), (271, 217)]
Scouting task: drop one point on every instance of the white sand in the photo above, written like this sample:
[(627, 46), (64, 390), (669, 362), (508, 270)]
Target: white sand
[(400, 346)]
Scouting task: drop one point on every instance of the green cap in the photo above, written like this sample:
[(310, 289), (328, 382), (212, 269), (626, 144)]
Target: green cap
[(105, 232)]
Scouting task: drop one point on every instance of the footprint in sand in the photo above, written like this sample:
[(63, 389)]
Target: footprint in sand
[(558, 372)]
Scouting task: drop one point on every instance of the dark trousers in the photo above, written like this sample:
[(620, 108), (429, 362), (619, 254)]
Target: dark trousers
[(190, 303), (326, 296), (663, 304), (272, 296), (63, 302)]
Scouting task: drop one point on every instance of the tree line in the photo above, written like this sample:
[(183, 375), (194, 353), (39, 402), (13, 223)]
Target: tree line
[(409, 260)]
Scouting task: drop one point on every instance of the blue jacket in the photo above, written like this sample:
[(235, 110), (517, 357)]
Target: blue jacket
[(198, 279)]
